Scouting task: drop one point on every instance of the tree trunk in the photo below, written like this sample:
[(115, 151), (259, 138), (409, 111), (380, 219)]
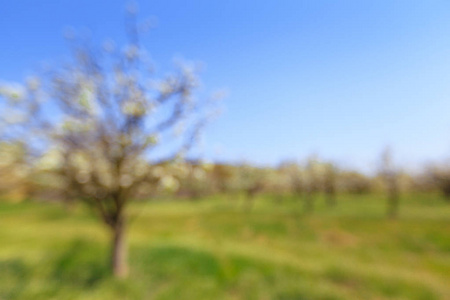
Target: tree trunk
[(119, 257), (393, 198)]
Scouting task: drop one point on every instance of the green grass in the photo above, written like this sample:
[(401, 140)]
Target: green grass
[(212, 249)]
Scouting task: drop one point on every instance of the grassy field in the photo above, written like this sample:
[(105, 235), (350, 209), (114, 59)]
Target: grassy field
[(212, 249)]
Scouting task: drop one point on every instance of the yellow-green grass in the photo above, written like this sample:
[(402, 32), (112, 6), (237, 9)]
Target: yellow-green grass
[(214, 249)]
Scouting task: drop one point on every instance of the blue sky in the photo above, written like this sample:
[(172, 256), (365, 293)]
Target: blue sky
[(342, 79)]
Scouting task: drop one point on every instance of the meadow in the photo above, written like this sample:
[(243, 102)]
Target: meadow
[(213, 249)]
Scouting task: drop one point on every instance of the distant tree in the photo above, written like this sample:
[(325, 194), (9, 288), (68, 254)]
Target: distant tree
[(298, 185), (105, 113), (330, 183), (195, 182), (15, 183), (354, 182), (222, 176), (439, 178), (295, 178), (312, 183), (390, 177), (253, 181)]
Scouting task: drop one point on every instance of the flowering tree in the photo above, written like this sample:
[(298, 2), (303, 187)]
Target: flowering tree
[(389, 174), (330, 175), (104, 114)]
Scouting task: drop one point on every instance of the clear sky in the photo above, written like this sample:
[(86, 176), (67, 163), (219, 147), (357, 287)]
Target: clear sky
[(342, 79)]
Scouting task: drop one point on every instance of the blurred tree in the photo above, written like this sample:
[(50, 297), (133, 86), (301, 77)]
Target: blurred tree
[(222, 176), (390, 177), (354, 182), (194, 183), (312, 185), (104, 113), (15, 173), (330, 183), (295, 178), (439, 178), (279, 183), (253, 181)]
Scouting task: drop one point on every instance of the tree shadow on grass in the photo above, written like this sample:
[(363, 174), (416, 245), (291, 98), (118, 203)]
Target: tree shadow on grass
[(81, 265), (14, 277)]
